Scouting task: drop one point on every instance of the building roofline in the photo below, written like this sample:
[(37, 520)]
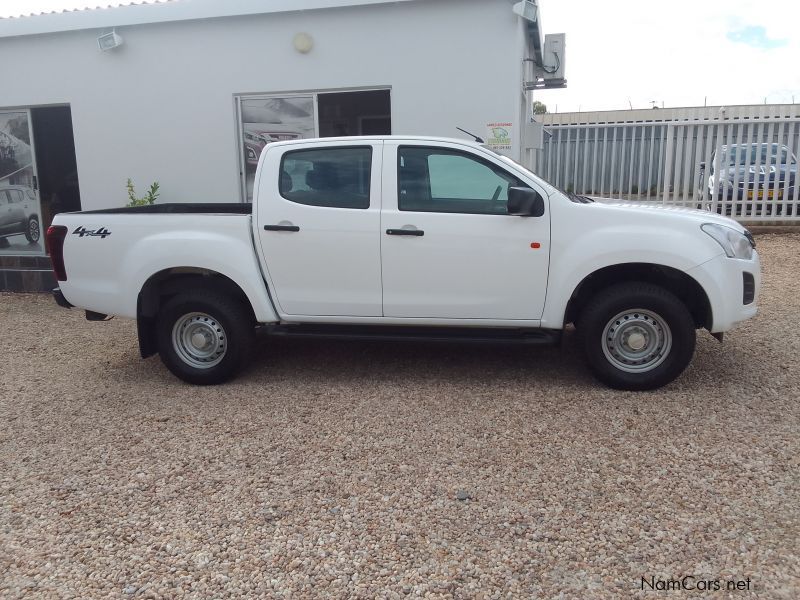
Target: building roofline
[(658, 114), (161, 11)]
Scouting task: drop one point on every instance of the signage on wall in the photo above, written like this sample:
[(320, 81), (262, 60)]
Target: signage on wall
[(498, 136), (20, 212)]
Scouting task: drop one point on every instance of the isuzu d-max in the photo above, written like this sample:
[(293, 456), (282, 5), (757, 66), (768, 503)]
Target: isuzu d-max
[(409, 238)]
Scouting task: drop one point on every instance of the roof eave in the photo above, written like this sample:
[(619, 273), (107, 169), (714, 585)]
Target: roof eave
[(161, 12)]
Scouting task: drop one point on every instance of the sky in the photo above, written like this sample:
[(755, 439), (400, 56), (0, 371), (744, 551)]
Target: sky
[(623, 53)]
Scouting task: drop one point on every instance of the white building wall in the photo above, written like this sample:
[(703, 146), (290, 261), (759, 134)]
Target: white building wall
[(161, 107)]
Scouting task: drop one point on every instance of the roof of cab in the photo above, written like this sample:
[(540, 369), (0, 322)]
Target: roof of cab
[(380, 138)]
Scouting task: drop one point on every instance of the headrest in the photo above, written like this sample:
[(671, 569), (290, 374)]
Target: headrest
[(322, 177)]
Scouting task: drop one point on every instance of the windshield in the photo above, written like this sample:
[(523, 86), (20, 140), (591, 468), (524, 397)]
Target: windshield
[(759, 153)]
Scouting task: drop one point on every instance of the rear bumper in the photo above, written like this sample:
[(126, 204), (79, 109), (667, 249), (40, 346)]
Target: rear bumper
[(58, 296), (723, 279)]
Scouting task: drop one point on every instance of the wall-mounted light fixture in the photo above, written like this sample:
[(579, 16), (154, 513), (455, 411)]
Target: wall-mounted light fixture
[(109, 41), (303, 43)]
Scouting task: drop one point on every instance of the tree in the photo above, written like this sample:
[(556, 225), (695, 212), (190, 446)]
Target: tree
[(539, 108)]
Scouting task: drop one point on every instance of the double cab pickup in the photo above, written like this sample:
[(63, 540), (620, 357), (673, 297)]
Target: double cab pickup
[(397, 237)]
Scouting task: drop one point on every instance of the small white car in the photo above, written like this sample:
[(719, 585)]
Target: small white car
[(409, 238)]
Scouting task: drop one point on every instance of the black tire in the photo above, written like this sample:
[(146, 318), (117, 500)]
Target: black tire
[(33, 231), (224, 322), (660, 334)]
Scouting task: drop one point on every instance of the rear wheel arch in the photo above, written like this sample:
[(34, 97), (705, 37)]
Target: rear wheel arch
[(164, 285), (679, 283)]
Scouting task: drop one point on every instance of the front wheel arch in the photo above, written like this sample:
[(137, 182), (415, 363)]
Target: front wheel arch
[(683, 285)]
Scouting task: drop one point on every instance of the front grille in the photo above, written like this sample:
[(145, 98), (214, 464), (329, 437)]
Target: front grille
[(749, 287)]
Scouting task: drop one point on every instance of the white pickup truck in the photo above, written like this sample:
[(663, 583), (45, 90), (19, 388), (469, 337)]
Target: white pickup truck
[(409, 238)]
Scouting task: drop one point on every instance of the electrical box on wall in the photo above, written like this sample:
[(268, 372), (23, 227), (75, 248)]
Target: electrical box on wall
[(533, 136), (553, 57)]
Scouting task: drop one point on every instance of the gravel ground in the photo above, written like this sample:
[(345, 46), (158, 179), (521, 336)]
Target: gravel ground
[(364, 469)]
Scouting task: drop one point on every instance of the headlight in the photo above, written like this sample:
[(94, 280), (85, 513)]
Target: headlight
[(734, 243)]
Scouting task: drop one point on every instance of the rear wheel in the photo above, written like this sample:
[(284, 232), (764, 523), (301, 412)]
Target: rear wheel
[(204, 337), (637, 336), (32, 231)]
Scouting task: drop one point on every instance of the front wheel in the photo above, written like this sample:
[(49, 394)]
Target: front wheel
[(204, 337), (637, 336)]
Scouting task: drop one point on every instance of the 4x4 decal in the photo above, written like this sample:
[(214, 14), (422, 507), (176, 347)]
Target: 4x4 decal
[(101, 233)]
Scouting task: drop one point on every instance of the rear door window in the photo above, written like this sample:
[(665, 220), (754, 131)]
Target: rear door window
[(335, 177)]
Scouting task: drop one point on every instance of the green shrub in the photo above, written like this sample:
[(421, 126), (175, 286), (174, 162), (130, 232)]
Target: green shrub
[(149, 198)]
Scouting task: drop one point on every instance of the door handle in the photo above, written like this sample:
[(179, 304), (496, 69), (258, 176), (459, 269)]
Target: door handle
[(281, 228), (416, 232)]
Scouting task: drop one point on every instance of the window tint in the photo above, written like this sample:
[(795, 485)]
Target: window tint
[(335, 177), (15, 195), (440, 180)]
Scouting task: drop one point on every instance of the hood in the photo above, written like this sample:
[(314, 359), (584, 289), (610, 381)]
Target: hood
[(666, 213)]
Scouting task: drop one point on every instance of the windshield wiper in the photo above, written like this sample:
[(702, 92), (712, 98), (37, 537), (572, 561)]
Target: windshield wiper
[(577, 198)]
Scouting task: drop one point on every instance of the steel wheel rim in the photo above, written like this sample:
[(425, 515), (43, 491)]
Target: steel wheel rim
[(199, 340), (636, 340), (33, 230)]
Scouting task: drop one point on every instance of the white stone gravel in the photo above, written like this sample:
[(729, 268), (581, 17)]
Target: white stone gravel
[(345, 469)]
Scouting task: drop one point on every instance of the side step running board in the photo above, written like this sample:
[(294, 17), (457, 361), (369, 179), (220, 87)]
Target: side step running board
[(419, 334)]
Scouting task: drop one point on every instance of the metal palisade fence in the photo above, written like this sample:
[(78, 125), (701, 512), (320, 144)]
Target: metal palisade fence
[(740, 161)]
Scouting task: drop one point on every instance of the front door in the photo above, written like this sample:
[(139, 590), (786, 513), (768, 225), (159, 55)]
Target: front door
[(450, 250), (318, 219)]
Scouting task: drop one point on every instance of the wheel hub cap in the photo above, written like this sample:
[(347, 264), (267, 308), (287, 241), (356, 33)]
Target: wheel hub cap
[(637, 340), (199, 340)]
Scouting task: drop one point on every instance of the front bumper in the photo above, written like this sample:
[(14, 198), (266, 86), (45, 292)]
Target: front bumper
[(724, 281), (58, 296)]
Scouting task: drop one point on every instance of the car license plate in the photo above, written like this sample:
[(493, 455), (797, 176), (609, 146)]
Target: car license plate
[(751, 194)]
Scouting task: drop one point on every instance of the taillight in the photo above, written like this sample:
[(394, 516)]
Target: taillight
[(55, 243)]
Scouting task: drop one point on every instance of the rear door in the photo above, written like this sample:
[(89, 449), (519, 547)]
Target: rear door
[(450, 249), (317, 220)]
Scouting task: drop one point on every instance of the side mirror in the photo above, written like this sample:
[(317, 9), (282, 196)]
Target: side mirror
[(525, 202)]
